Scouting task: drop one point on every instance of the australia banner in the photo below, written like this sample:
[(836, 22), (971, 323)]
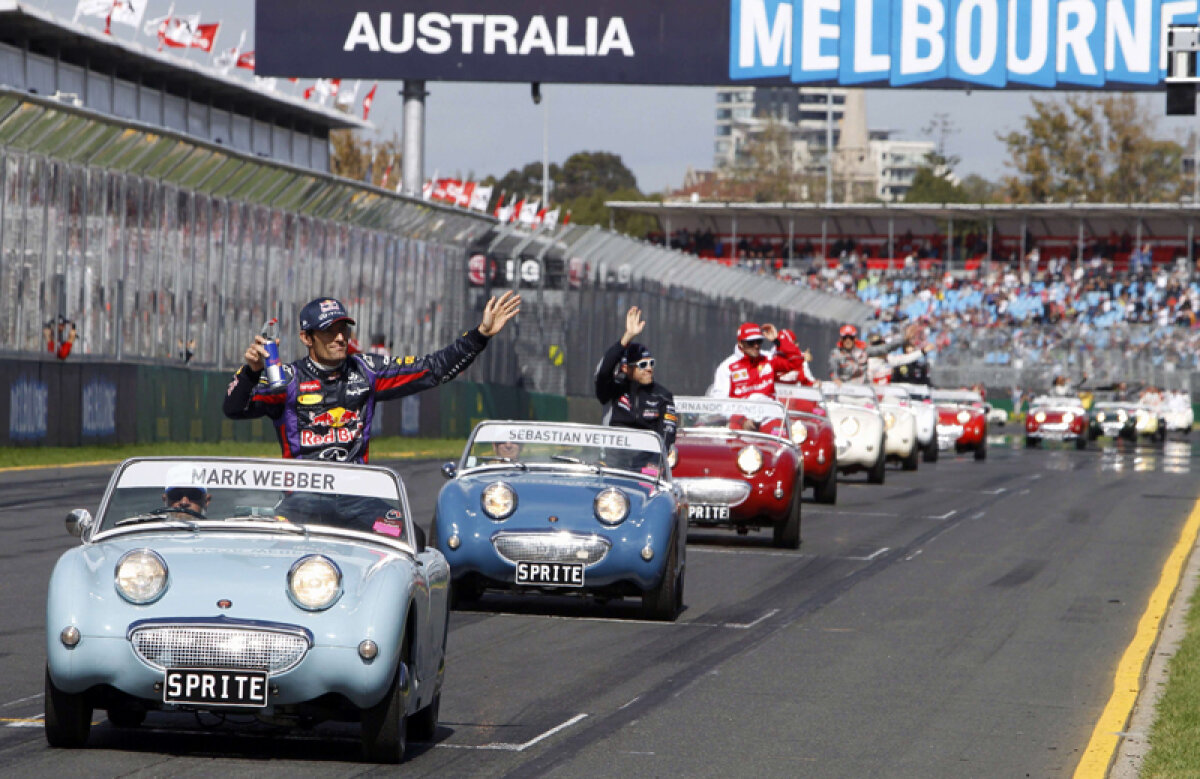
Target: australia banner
[(953, 44)]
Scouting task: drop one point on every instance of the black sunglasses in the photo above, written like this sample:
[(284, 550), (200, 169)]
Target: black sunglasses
[(176, 494)]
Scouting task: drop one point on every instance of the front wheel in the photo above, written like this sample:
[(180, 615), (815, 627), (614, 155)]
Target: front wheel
[(1081, 443), (665, 601), (787, 532), (931, 452), (913, 459), (826, 491), (422, 726), (68, 717), (981, 450), (384, 725), (876, 474), (1032, 443)]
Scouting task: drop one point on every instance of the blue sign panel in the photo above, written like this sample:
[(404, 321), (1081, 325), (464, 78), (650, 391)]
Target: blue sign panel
[(1113, 44), (27, 408), (99, 408)]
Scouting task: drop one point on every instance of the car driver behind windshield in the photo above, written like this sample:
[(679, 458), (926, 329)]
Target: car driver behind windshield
[(192, 501), (323, 410)]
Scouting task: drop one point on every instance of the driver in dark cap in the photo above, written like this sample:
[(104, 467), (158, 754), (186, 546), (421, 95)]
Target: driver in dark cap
[(625, 385)]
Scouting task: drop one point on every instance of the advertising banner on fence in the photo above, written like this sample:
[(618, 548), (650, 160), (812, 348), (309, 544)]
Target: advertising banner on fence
[(1069, 44)]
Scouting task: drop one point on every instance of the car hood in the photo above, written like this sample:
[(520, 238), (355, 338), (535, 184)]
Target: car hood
[(248, 569), (698, 451)]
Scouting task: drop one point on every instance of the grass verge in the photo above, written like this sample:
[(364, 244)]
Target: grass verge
[(391, 448), (1175, 734)]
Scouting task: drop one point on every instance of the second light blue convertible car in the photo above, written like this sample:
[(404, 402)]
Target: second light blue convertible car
[(290, 591), (564, 508)]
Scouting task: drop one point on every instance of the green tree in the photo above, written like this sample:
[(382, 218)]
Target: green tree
[(1091, 149), (934, 182), (587, 171)]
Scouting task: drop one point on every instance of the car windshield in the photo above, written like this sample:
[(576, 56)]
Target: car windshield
[(956, 396), (892, 395), (545, 444), (916, 391), (749, 414), (847, 393), (289, 494), (1049, 401)]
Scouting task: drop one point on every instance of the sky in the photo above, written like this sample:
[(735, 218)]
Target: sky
[(659, 132)]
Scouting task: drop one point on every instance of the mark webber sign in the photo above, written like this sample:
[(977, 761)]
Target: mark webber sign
[(1114, 44)]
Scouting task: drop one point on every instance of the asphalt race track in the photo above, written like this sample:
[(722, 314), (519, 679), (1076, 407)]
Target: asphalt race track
[(963, 620)]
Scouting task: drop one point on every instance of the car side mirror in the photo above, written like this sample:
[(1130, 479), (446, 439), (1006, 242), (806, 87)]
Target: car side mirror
[(78, 522), (449, 470)]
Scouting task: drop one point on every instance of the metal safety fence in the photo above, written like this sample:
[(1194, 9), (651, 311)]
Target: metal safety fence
[(165, 249)]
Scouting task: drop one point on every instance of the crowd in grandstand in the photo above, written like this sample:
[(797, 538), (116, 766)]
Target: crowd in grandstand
[(1121, 301)]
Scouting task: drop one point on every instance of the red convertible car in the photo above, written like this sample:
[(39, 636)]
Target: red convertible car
[(1056, 419), (810, 428), (737, 467), (961, 422)]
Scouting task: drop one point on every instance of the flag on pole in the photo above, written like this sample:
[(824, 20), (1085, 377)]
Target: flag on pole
[(369, 100), (157, 28), (529, 213), (465, 193), (515, 213), (325, 88), (481, 197), (226, 60), (550, 219), (185, 32), (347, 97), (100, 8), (567, 218), (127, 12), (246, 61), (499, 205)]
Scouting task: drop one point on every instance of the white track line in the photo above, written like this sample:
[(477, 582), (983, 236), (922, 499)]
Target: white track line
[(22, 700), (517, 747), (869, 557)]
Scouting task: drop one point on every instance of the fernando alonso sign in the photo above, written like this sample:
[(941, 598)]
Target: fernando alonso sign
[(1114, 44)]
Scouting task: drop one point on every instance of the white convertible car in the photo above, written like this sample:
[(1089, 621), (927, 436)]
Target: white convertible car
[(858, 429), (1178, 413), (900, 421), (926, 415)]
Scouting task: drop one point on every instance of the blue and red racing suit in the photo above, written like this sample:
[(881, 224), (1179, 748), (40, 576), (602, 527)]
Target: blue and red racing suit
[(324, 414)]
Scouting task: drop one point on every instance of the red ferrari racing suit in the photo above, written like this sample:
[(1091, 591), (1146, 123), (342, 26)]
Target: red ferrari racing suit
[(740, 377)]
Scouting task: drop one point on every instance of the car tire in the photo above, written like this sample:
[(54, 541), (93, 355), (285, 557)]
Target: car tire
[(1032, 443), (68, 717), (826, 491), (981, 449), (465, 591), (664, 602), (384, 725), (911, 462), (787, 532), (931, 452), (878, 470), (422, 726), (1081, 443), (126, 717)]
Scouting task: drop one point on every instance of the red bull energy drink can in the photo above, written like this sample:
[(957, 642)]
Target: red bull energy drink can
[(275, 376)]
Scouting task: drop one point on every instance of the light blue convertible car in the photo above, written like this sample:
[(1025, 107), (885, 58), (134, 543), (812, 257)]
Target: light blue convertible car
[(295, 591), (564, 508)]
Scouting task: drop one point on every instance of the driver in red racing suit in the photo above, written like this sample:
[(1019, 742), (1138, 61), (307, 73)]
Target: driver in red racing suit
[(324, 409), (750, 371)]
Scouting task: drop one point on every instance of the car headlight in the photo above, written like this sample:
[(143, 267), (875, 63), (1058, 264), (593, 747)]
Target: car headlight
[(141, 576), (314, 582), (849, 426), (611, 506), (1100, 417), (889, 419), (1068, 417), (672, 456), (498, 500), (799, 432), (1121, 416), (750, 460), (964, 417), (1040, 416)]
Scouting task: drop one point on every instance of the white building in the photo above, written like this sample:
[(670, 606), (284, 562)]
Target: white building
[(879, 166)]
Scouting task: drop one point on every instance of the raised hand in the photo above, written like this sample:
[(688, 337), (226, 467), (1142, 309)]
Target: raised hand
[(634, 325), (498, 311), (770, 333)]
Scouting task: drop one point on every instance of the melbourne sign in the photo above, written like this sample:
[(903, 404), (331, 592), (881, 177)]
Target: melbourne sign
[(1070, 44)]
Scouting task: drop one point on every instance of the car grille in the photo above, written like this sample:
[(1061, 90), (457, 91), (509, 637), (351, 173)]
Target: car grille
[(551, 547), (219, 647), (715, 492)]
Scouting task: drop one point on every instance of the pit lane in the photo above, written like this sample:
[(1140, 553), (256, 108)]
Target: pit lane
[(963, 620)]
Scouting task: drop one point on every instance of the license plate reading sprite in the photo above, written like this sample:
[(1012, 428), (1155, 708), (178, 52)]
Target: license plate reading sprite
[(702, 513), (212, 687), (550, 574)]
